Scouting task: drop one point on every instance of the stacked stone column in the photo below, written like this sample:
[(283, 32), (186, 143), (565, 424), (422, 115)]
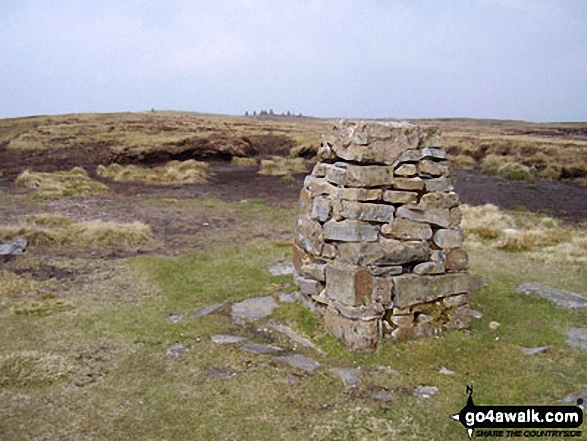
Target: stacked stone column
[(378, 243)]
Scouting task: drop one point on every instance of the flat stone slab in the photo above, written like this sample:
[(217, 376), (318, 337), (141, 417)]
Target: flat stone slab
[(577, 337), (382, 395), (286, 298), (206, 310), (300, 362), (425, 392), (351, 377), (293, 335), (445, 371), (260, 348), (227, 339), (284, 268), (254, 309), (564, 299), (16, 246), (175, 318), (536, 350), (176, 351)]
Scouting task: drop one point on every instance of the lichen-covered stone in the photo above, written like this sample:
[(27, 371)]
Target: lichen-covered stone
[(400, 197), (407, 230), (359, 194), (358, 335), (435, 216), (411, 289), (366, 211), (361, 253), (406, 170), (321, 208), (368, 176), (399, 252), (448, 238), (439, 184), (349, 284), (350, 231), (432, 168), (408, 183), (456, 260)]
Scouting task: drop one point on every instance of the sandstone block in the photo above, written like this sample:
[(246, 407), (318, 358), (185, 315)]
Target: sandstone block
[(399, 252), (349, 284), (456, 300), (335, 175), (406, 170), (321, 209), (439, 184), (358, 335), (368, 176), (319, 186), (439, 200), (350, 231), (359, 194), (432, 168), (400, 197), (361, 254), (407, 230), (319, 170), (456, 260), (307, 286), (388, 270), (434, 216), (367, 211), (456, 216), (431, 152), (408, 183), (309, 236), (300, 258), (413, 289), (448, 239), (316, 271), (429, 268)]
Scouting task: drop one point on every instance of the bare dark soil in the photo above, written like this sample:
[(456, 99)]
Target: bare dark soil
[(567, 201)]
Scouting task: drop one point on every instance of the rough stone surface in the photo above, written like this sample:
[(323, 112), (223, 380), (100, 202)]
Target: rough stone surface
[(425, 392), (16, 246), (378, 249), (573, 398), (382, 395), (207, 310), (577, 337), (350, 231), (299, 362), (227, 339), (564, 299), (293, 335), (351, 377), (445, 371), (260, 348), (176, 351), (536, 350), (286, 298), (413, 289), (254, 309)]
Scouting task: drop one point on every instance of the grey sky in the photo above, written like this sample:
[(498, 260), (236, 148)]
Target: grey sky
[(511, 59)]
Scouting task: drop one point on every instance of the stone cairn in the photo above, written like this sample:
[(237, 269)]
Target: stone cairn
[(378, 244)]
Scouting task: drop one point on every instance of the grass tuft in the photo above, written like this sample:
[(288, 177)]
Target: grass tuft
[(173, 173), (243, 162), (73, 183), (278, 166), (32, 368)]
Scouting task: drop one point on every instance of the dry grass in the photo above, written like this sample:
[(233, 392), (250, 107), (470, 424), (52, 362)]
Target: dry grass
[(32, 368), (173, 173), (73, 183), (278, 166), (541, 238), (60, 231), (243, 162)]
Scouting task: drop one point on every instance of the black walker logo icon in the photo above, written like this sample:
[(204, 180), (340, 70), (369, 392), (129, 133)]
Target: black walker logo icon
[(519, 417)]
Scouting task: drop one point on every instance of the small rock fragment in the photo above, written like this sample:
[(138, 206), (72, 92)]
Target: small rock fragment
[(424, 392)]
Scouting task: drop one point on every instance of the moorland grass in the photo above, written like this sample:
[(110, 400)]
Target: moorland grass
[(172, 173), (73, 183)]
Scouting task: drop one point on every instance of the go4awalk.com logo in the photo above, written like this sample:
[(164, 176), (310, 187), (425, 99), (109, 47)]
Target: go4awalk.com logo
[(520, 421)]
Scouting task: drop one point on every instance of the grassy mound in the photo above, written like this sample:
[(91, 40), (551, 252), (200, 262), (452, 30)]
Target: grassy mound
[(173, 173), (57, 230), (543, 238), (278, 166), (61, 184), (243, 162)]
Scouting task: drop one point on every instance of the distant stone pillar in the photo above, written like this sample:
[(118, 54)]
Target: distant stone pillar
[(378, 244)]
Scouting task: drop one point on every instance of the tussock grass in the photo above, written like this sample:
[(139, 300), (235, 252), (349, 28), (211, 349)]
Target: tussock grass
[(278, 166), (173, 173), (243, 162), (26, 141), (73, 183), (60, 231), (14, 285), (32, 368), (542, 238)]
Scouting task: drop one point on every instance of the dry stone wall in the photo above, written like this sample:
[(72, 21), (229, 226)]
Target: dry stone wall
[(378, 244)]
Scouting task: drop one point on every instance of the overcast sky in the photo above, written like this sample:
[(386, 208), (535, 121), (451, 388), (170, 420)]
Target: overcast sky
[(508, 59)]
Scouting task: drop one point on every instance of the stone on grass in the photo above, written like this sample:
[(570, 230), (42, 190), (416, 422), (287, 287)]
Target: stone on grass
[(254, 309), (565, 299), (445, 371), (284, 268), (260, 348), (300, 362), (176, 351), (227, 339), (293, 335), (175, 318), (351, 377), (382, 395), (16, 246), (536, 350), (476, 314), (573, 398), (424, 392), (387, 370), (206, 310), (286, 298), (220, 372), (577, 337)]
